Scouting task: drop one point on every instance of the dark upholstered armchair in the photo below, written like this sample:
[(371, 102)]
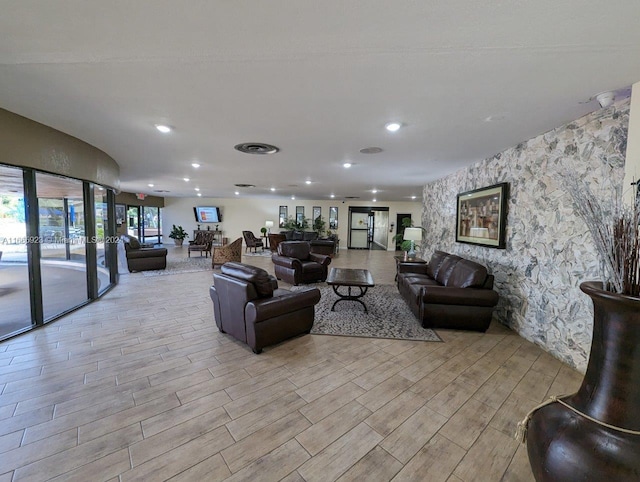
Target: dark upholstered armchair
[(143, 259), (248, 305), (251, 241), (295, 263), (202, 243)]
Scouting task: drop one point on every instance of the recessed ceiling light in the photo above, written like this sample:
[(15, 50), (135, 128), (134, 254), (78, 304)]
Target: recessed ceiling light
[(413, 197), (197, 188), (186, 179), (346, 165), (195, 164), (393, 126), (100, 189), (164, 129), (293, 197), (374, 200), (332, 196), (374, 191), (150, 185), (237, 193), (199, 194), (307, 182), (273, 189)]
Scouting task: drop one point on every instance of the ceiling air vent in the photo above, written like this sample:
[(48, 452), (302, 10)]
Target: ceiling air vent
[(256, 148), (244, 185), (352, 197), (371, 150)]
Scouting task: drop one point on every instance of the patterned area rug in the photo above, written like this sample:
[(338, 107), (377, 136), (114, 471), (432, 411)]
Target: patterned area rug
[(182, 265), (264, 254), (388, 316)]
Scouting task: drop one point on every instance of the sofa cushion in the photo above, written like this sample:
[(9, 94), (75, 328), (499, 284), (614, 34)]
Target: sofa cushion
[(467, 274), (294, 249), (446, 268), (251, 274), (436, 261), (134, 243)]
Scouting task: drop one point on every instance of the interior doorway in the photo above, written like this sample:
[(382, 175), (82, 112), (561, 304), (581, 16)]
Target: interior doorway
[(143, 222), (368, 227)]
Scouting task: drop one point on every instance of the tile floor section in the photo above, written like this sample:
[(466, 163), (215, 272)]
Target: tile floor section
[(141, 386)]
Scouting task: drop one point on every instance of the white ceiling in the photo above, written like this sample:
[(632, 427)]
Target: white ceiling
[(319, 79)]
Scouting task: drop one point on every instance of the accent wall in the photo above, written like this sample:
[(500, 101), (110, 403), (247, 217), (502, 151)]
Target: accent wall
[(549, 251)]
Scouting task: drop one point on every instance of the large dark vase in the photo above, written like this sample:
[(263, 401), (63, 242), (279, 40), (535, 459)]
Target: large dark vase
[(564, 446)]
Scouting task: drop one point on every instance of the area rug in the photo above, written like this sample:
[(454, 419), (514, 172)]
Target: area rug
[(264, 254), (182, 265), (388, 316)]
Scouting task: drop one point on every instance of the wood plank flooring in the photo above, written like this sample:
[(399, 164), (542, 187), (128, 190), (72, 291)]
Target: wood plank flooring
[(141, 386)]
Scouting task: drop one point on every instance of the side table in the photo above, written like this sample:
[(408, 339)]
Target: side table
[(401, 259)]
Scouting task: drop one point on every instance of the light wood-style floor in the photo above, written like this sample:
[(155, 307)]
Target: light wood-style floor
[(141, 386)]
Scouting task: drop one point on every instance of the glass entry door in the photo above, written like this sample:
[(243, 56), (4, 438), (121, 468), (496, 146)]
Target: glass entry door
[(143, 222), (359, 231)]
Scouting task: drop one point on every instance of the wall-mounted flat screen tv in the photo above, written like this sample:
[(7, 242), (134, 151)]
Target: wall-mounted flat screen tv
[(207, 214)]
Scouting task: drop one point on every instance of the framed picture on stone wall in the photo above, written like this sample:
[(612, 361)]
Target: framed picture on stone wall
[(481, 216)]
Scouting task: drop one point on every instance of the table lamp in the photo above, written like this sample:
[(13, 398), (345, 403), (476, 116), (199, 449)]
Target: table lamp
[(413, 235), (268, 225)]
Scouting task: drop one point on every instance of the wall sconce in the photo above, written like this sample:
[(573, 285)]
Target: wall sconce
[(393, 225)]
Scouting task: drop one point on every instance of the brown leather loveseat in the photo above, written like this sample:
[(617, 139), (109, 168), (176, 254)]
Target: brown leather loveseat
[(448, 292), (249, 306), (295, 263), (140, 258)]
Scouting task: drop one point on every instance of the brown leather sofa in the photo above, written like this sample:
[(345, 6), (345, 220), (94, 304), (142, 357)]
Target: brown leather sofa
[(140, 258), (249, 306), (296, 264), (326, 245), (448, 292)]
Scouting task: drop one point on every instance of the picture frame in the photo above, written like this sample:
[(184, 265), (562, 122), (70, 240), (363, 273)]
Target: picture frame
[(121, 214), (481, 216)]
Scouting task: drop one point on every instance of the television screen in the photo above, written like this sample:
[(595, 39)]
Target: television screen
[(207, 214)]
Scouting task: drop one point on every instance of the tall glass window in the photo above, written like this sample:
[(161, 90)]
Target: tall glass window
[(14, 274), (63, 259), (102, 234)]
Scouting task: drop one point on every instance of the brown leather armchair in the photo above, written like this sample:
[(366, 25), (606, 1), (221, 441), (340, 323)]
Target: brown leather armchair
[(295, 263), (249, 306), (251, 241), (142, 259)]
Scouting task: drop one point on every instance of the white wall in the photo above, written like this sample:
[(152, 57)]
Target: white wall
[(239, 214)]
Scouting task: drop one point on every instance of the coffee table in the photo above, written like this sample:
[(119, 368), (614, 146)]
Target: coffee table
[(350, 278)]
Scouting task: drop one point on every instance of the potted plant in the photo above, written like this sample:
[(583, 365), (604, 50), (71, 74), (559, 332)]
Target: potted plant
[(594, 434), (398, 239), (264, 232), (178, 235), (318, 225)]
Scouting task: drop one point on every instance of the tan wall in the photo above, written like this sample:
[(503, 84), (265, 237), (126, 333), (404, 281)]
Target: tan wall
[(27, 143), (130, 198), (251, 214)]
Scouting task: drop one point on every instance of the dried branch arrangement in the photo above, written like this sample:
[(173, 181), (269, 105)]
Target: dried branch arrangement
[(614, 229)]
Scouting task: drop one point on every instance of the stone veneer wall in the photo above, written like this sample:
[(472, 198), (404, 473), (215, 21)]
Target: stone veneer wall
[(549, 251)]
